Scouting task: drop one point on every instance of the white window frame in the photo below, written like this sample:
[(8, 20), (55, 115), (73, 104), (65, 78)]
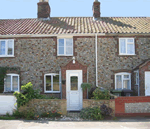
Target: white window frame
[(6, 47), (126, 42), (136, 77), (64, 47), (51, 74), (11, 74), (122, 76)]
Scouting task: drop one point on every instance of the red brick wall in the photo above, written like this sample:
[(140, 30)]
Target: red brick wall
[(120, 105), (142, 70), (71, 66)]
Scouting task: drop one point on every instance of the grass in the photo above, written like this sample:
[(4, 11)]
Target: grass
[(7, 118)]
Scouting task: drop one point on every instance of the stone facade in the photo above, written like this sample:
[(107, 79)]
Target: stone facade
[(38, 56), (97, 103), (137, 107), (45, 105)]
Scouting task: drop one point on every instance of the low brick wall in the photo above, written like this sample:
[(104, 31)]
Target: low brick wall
[(93, 103), (132, 106), (45, 105)]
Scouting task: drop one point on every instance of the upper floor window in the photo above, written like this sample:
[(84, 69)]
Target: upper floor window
[(126, 46), (7, 48), (65, 47), (11, 83), (123, 81), (51, 83)]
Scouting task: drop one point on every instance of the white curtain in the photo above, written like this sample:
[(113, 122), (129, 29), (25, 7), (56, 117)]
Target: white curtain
[(122, 45)]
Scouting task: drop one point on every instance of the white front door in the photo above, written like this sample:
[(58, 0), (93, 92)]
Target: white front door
[(73, 89), (147, 83)]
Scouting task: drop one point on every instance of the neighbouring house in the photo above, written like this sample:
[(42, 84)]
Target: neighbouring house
[(57, 54)]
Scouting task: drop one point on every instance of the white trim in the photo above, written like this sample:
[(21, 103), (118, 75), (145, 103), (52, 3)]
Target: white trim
[(122, 74), (51, 74), (6, 47), (64, 47), (12, 75), (96, 59), (126, 42), (145, 83)]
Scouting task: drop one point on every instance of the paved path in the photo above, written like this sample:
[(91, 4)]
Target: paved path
[(137, 123)]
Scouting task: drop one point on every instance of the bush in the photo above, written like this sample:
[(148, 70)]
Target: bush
[(105, 111), (91, 113), (28, 94), (18, 114), (98, 94), (7, 118)]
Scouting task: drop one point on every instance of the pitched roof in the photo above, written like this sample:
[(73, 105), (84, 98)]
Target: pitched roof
[(73, 25)]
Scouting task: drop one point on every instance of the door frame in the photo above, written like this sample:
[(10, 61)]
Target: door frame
[(80, 90), (145, 83)]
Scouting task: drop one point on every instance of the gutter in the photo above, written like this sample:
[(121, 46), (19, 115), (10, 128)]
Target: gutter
[(96, 58)]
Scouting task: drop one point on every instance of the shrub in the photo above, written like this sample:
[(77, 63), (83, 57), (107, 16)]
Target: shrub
[(86, 85), (7, 118), (98, 94), (29, 114), (105, 111), (91, 113), (18, 114), (28, 94)]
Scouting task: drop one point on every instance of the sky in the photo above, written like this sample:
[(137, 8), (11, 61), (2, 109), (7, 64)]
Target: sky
[(18, 9)]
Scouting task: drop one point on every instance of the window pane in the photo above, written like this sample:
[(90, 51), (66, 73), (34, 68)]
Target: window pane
[(69, 42), (8, 83), (61, 50), (15, 83), (130, 40), (74, 83), (56, 83), (48, 83), (126, 76), (122, 45), (61, 42), (10, 47), (118, 82), (126, 84), (130, 49), (2, 47), (69, 50)]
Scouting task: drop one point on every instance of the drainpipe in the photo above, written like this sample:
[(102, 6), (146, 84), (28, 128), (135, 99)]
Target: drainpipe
[(96, 58), (87, 82)]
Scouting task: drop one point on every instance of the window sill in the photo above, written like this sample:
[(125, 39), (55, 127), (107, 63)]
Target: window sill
[(6, 56), (126, 55), (52, 92), (65, 55)]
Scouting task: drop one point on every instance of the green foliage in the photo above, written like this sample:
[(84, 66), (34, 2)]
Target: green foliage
[(7, 118), (98, 94), (28, 94), (91, 113), (3, 71), (18, 114), (29, 114), (86, 85), (7, 114)]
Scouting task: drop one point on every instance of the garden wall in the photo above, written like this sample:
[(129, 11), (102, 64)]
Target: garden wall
[(132, 106), (46, 105), (93, 103)]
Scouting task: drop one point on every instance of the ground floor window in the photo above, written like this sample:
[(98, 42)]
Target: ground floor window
[(123, 81), (51, 83), (11, 83)]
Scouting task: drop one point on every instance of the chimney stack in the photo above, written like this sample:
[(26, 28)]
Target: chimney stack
[(96, 9), (44, 9)]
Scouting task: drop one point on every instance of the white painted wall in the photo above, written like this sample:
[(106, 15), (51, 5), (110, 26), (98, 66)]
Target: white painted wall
[(7, 104)]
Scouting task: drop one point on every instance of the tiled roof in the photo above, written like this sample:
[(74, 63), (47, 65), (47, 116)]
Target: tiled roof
[(72, 25)]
